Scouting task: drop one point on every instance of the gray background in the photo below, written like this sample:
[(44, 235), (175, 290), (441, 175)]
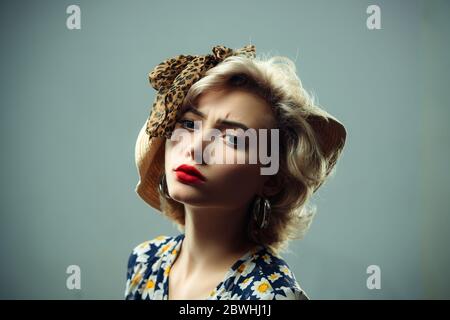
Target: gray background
[(73, 101)]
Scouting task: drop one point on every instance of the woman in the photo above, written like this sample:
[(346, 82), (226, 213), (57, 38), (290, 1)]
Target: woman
[(234, 220)]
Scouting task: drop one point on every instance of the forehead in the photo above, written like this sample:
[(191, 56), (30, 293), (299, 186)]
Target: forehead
[(237, 105)]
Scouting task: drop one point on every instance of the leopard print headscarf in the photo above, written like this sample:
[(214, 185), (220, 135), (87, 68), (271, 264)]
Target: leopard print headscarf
[(173, 78)]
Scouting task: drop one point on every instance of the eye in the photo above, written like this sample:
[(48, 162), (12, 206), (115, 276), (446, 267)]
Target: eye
[(186, 123), (231, 140)]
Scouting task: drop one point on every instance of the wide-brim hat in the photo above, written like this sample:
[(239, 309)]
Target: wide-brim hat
[(172, 79)]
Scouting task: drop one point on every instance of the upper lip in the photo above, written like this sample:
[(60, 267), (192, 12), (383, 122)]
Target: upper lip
[(190, 170)]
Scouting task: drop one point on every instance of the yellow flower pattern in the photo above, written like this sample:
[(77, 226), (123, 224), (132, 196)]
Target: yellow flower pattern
[(257, 275)]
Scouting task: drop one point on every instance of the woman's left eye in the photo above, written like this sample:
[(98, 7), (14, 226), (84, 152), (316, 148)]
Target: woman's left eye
[(231, 139)]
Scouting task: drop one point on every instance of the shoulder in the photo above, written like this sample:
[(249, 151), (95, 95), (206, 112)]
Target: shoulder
[(149, 249), (269, 278), (141, 260)]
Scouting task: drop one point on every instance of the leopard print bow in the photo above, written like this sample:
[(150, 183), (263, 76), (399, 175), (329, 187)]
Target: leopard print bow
[(172, 79)]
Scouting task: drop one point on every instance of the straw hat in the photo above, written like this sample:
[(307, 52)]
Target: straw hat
[(172, 79)]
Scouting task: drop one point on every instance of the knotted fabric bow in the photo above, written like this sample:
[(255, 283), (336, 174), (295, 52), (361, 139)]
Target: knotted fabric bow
[(173, 78)]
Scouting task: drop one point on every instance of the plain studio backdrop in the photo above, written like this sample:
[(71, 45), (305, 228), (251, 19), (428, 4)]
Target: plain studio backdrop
[(73, 102)]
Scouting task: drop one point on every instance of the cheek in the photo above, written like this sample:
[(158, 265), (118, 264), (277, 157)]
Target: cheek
[(236, 183), (237, 178), (171, 154), (171, 160), (168, 155)]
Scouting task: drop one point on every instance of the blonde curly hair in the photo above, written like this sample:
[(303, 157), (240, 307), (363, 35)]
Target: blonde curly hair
[(303, 166)]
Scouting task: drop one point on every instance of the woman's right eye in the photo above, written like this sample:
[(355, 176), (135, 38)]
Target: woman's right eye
[(188, 124)]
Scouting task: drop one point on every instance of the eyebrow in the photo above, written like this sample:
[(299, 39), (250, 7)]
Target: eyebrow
[(220, 121)]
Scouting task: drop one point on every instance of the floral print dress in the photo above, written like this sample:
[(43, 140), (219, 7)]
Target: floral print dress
[(258, 275)]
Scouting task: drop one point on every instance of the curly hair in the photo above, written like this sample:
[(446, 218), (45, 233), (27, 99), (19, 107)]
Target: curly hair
[(303, 166)]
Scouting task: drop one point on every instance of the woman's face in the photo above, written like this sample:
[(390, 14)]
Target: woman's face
[(226, 182)]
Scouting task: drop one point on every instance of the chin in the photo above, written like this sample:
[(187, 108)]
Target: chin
[(187, 195)]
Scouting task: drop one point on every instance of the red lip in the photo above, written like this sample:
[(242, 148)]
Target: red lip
[(187, 173)]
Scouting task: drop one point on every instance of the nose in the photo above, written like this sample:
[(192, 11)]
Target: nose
[(200, 139)]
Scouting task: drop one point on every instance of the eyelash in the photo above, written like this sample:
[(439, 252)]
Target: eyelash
[(183, 121)]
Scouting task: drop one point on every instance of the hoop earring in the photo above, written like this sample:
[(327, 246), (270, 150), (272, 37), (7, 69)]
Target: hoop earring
[(261, 212), (162, 186)]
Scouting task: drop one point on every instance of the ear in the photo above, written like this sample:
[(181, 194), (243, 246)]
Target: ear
[(272, 185)]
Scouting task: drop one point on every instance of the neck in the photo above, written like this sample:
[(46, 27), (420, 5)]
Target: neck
[(214, 238)]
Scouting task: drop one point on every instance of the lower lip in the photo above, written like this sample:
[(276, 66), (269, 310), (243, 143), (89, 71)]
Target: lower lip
[(187, 178)]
